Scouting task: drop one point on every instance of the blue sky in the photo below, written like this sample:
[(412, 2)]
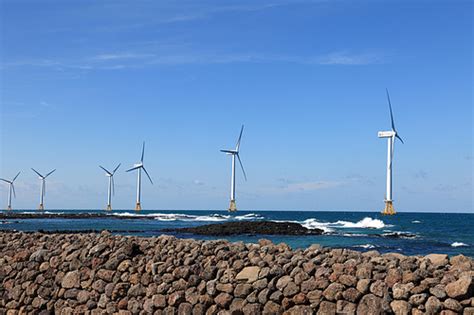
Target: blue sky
[(83, 83)]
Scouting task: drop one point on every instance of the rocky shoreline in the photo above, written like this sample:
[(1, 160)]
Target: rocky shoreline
[(101, 273)]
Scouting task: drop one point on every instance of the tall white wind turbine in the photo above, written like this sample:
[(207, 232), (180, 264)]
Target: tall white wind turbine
[(234, 154), (139, 167), (43, 187), (11, 189), (390, 135), (111, 187)]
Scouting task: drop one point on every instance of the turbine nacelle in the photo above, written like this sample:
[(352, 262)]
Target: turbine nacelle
[(386, 134)]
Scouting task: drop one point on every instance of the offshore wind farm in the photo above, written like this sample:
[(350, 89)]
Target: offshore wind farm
[(240, 157)]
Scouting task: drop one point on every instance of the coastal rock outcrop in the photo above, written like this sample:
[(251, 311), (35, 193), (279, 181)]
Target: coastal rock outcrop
[(254, 228), (101, 273)]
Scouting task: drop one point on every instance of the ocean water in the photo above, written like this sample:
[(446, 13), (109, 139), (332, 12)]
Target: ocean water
[(407, 233)]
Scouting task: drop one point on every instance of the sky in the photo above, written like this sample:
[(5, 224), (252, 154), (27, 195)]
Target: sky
[(84, 83)]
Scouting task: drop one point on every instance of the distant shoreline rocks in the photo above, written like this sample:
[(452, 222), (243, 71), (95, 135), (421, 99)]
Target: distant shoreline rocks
[(102, 273), (246, 228)]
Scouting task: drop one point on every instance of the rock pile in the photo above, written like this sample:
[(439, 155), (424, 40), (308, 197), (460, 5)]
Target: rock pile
[(106, 274)]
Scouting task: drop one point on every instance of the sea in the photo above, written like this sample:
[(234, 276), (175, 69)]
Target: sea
[(406, 233)]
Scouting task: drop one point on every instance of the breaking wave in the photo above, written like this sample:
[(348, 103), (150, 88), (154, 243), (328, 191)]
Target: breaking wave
[(365, 223), (415, 221), (406, 235), (189, 217), (365, 246), (458, 244)]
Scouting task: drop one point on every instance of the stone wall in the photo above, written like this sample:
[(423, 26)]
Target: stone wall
[(105, 274)]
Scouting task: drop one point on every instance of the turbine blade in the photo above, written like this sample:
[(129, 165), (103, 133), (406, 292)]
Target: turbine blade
[(15, 177), (391, 112), (399, 138), (240, 137), (37, 172), (116, 168), (147, 175), (105, 170), (228, 151), (6, 181), (133, 168), (242, 166), (50, 173), (143, 151), (13, 188)]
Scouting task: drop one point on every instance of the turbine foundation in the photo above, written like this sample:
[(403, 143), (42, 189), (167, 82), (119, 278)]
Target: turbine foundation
[(138, 207), (9, 208), (41, 207), (109, 208), (233, 206), (388, 208)]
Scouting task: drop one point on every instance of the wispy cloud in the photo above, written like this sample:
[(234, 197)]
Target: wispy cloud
[(344, 58), (131, 60)]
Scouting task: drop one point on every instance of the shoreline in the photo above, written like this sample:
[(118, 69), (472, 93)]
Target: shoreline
[(105, 273)]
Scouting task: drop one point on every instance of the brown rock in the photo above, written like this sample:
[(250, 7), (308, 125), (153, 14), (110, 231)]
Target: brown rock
[(272, 308), (299, 310), (291, 289), (223, 299), (249, 274), (452, 304), (346, 308), (433, 305), (370, 305), (176, 298), (71, 280), (351, 295), (300, 298), (400, 307), (437, 259), (242, 289), (363, 285), (327, 308), (461, 288), (418, 299), (333, 292), (401, 291)]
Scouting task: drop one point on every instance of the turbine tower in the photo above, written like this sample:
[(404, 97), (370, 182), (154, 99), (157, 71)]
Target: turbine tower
[(11, 188), (139, 167), (43, 187), (234, 154), (111, 187), (390, 135)]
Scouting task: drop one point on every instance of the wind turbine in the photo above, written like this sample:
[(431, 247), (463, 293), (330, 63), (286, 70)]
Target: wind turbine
[(11, 188), (234, 154), (139, 166), (111, 189), (390, 135), (43, 186)]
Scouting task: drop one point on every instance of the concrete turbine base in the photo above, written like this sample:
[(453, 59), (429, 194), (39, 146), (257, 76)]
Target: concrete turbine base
[(389, 210), (138, 207), (109, 208), (233, 206), (41, 207)]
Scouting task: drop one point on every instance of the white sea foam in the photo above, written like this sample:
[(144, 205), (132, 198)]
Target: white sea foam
[(415, 221), (315, 224), (458, 244), (365, 223), (189, 217), (366, 246), (250, 216)]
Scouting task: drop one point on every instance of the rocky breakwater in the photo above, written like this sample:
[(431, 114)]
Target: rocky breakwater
[(106, 274)]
